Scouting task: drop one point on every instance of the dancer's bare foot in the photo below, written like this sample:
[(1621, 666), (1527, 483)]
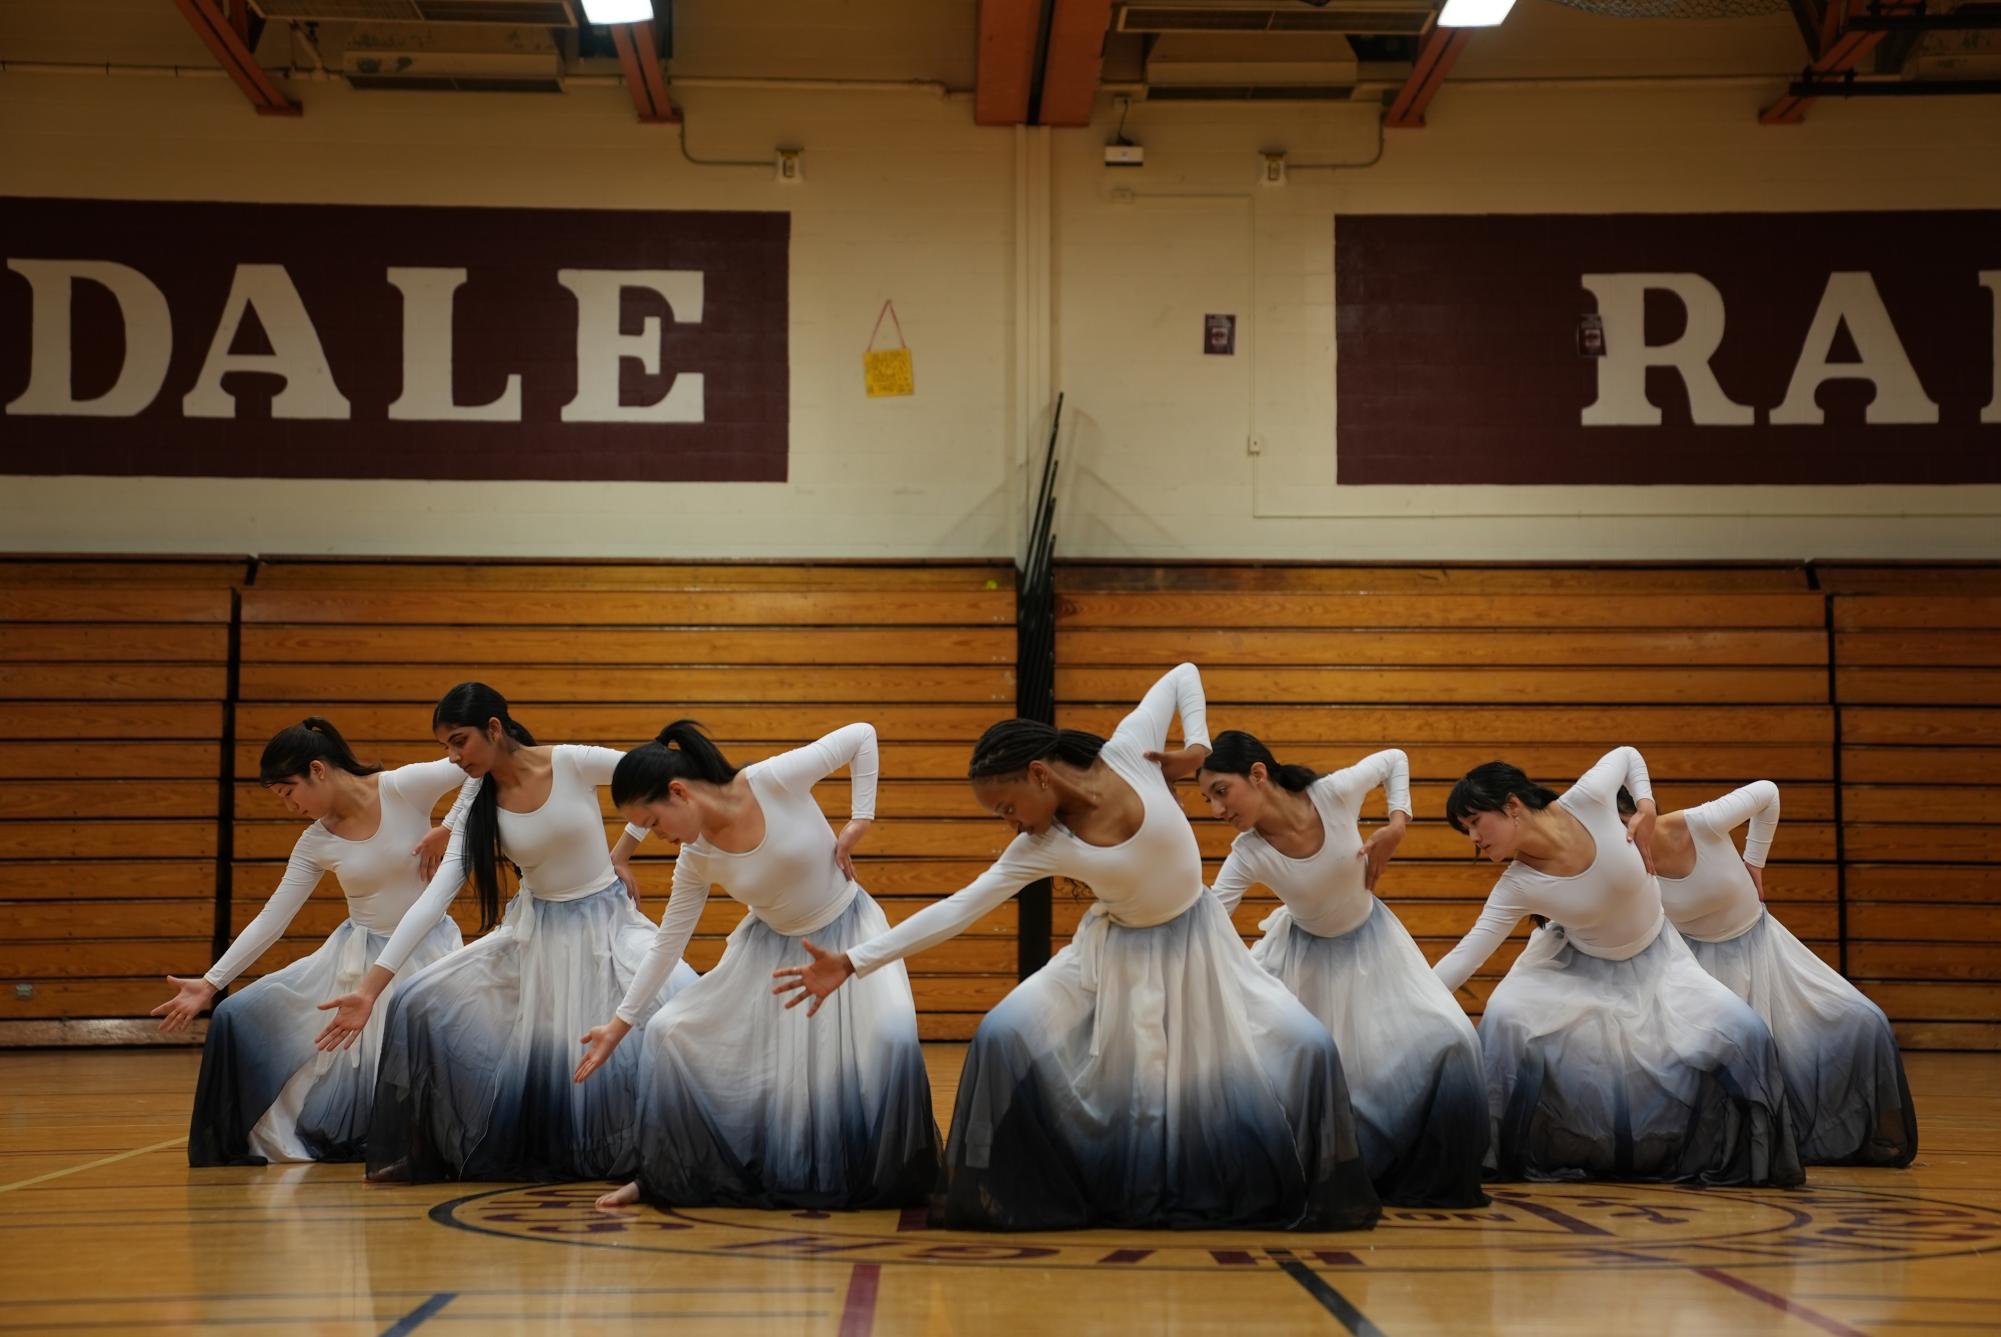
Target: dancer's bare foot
[(624, 1197)]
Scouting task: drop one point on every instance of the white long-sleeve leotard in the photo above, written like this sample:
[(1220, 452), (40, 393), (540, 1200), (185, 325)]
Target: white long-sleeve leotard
[(1612, 909), (790, 881), (1717, 899), (1145, 880), (1325, 890), (559, 847), (377, 875)]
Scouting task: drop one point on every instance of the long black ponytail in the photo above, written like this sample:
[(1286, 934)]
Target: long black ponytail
[(1009, 746), (471, 705), (1235, 752), (681, 751), (293, 749)]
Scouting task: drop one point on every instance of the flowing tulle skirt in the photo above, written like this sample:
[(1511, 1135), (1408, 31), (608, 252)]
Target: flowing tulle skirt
[(265, 1093), (1410, 1054), (746, 1104), (1154, 1077), (1844, 1076), (1639, 1069), (478, 1052)]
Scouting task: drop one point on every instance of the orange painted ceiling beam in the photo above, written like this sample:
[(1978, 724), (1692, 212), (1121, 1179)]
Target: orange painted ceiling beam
[(638, 48), (1075, 59), (229, 43), (1006, 71), (1841, 49), (1440, 48)]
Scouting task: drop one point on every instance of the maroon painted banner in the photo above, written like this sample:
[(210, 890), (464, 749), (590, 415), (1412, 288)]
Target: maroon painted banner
[(1669, 348), (342, 341)]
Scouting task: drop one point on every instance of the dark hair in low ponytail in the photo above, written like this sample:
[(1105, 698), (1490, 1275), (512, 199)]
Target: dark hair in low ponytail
[(1488, 788), (1009, 746), (471, 705), (293, 749), (1235, 752), (681, 751)]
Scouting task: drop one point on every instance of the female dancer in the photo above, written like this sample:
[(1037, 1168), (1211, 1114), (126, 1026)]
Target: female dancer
[(1609, 1052), (1844, 1077), (1150, 1074), (475, 1074), (733, 1097), (264, 1094), (1412, 1059)]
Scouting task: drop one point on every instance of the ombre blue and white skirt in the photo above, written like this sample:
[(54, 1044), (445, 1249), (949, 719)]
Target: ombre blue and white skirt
[(265, 1093), (1844, 1076), (1154, 1077), (477, 1056), (1410, 1053), (1645, 1068), (746, 1104)]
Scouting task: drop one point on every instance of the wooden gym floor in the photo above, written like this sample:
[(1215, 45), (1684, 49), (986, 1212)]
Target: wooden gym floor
[(103, 1228)]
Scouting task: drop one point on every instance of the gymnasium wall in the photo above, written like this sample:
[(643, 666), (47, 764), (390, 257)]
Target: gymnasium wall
[(1020, 268)]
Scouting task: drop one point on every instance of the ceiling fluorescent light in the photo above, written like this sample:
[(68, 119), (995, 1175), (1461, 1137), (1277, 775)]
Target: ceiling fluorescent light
[(628, 11), (1474, 13)]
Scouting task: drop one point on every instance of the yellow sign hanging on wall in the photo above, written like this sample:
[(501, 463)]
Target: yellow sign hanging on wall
[(888, 372)]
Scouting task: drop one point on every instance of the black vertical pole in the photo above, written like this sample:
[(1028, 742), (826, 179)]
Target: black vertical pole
[(1035, 681)]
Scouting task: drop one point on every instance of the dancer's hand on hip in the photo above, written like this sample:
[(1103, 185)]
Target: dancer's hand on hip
[(599, 1042), (430, 851), (177, 1012), (623, 869), (851, 836), (829, 971), (1375, 854), (1757, 878)]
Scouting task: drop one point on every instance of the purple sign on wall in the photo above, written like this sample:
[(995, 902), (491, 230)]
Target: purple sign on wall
[(344, 341), (1726, 348)]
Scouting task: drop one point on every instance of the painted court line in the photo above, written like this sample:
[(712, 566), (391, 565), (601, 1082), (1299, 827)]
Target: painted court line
[(1781, 1303), (413, 1320), (858, 1314), (92, 1165), (1335, 1303)]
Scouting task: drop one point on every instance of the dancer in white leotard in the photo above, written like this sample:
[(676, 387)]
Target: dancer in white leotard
[(1609, 1052), (1412, 1059), (264, 1094), (1151, 1074), (477, 1050), (735, 1096), (1844, 1077)]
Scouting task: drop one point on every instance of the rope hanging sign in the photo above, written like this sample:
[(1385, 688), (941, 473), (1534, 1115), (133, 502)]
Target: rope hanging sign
[(888, 372)]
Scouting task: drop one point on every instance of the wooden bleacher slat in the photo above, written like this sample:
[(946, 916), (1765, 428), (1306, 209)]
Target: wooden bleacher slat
[(1905, 648), (627, 725), (1930, 765), (113, 682), (1892, 686), (320, 644), (734, 608), (1280, 685), (1449, 648), (679, 689), (65, 880), (107, 801), (1924, 882), (107, 760), (145, 643), (1636, 577), (111, 604), (1912, 803), (146, 721), (1945, 611), (1407, 612), (1404, 726), (417, 573)]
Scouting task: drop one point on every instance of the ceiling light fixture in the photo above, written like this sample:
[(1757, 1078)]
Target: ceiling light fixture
[(620, 11)]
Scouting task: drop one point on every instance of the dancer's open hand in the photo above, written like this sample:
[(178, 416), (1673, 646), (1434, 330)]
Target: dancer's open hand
[(350, 1014), (1179, 763), (851, 836), (430, 851), (177, 1012), (1375, 854), (599, 1042), (829, 971), (1640, 831)]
